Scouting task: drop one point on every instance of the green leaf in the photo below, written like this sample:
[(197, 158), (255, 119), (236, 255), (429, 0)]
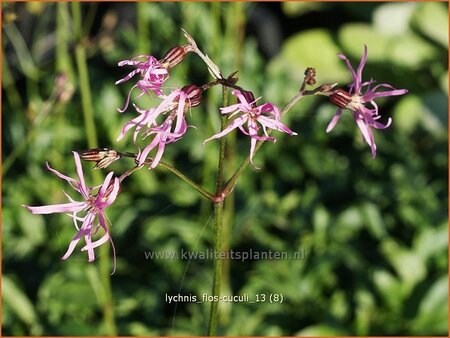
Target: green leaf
[(408, 264), (434, 115), (393, 19), (407, 113), (431, 241), (389, 288), (372, 216), (294, 9), (16, 300), (354, 36), (320, 220), (443, 80), (433, 311), (411, 51), (365, 306), (348, 223), (431, 18), (314, 48), (32, 226), (321, 330)]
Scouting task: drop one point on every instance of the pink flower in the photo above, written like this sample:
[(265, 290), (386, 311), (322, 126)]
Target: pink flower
[(267, 115), (173, 108), (153, 74), (92, 205), (355, 101)]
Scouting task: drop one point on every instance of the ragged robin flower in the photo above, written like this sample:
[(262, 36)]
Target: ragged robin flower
[(357, 102), (266, 115), (153, 72), (173, 108), (153, 75), (92, 206)]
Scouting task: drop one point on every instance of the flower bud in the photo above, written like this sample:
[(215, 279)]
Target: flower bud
[(340, 98), (173, 57), (102, 156), (110, 189), (310, 76), (194, 94), (249, 97)]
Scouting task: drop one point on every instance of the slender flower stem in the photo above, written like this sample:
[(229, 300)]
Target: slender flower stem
[(223, 125), (142, 28), (229, 186), (129, 172), (85, 90), (291, 103), (218, 223), (234, 39), (321, 90), (87, 104), (104, 157), (187, 180)]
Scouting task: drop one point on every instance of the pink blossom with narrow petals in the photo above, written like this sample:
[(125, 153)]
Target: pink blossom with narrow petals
[(153, 75), (93, 206), (174, 126), (355, 100), (266, 115)]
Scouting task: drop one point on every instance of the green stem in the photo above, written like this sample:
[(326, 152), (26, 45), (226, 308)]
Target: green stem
[(85, 89), (143, 32), (218, 219), (234, 38), (63, 66), (232, 181), (22, 145), (187, 180), (223, 124), (87, 105), (12, 94), (218, 223), (63, 38)]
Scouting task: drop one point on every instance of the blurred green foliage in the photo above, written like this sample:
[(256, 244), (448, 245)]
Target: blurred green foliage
[(375, 232)]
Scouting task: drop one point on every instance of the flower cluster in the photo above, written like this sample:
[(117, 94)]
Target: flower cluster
[(174, 106), (166, 123)]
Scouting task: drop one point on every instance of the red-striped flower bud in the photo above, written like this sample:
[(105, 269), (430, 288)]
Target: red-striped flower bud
[(174, 56), (249, 97), (102, 156), (341, 98), (194, 94)]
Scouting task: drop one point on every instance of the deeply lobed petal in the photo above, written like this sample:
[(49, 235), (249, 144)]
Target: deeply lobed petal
[(57, 208), (235, 124), (334, 120)]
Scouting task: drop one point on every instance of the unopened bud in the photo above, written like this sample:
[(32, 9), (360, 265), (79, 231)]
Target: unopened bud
[(102, 156), (249, 97), (173, 57), (310, 76), (340, 98), (110, 189), (194, 94)]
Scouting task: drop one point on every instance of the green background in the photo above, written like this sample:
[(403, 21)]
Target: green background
[(374, 231)]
